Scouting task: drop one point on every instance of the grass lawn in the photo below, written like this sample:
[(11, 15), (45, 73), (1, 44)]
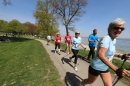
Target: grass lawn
[(118, 63), (25, 62)]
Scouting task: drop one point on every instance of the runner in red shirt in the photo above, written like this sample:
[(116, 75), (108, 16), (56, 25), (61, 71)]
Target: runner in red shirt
[(57, 40), (68, 43)]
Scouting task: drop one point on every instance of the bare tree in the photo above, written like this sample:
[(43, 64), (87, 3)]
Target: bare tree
[(7, 2), (68, 11)]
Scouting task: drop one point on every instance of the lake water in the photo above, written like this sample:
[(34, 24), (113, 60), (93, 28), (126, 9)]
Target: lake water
[(122, 45)]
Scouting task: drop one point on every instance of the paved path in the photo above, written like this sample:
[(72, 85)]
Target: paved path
[(66, 69)]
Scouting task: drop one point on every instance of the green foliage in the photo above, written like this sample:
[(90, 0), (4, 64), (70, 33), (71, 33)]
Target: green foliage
[(45, 21), (17, 27), (14, 26), (118, 63), (3, 26)]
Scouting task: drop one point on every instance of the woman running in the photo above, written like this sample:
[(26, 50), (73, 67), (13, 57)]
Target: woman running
[(76, 42), (105, 51)]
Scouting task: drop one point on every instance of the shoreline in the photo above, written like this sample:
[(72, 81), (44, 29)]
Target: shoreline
[(87, 48)]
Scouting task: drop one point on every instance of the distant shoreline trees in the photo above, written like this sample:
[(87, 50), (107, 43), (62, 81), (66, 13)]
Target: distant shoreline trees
[(17, 27)]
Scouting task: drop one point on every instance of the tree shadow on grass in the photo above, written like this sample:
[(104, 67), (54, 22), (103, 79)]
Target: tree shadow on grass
[(15, 39), (72, 79)]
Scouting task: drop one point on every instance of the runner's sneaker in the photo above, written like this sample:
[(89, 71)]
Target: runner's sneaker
[(59, 53), (75, 68), (68, 53), (55, 51)]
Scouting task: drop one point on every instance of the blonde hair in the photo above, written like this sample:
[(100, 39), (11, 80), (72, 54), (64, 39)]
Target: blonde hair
[(116, 22)]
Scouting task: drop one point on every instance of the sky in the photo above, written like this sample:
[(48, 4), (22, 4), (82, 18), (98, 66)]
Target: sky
[(99, 13)]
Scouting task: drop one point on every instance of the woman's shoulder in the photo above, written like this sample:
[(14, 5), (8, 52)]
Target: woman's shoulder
[(106, 37)]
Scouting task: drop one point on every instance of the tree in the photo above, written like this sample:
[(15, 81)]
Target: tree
[(3, 26), (7, 2), (45, 21), (14, 26), (31, 28), (68, 11)]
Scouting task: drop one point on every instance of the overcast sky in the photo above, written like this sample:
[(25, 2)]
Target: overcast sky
[(99, 13)]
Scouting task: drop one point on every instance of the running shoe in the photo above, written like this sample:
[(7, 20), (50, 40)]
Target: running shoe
[(55, 51), (59, 53), (75, 68)]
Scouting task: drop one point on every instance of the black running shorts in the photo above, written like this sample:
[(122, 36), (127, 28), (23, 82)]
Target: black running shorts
[(96, 72)]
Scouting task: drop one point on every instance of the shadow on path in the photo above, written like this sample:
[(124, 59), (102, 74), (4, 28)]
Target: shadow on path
[(72, 79), (83, 58), (66, 61)]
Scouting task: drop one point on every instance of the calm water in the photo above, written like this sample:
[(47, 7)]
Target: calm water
[(122, 45)]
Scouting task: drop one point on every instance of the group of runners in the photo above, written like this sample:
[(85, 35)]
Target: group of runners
[(101, 61)]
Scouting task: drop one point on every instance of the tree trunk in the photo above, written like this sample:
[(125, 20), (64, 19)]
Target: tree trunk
[(66, 29)]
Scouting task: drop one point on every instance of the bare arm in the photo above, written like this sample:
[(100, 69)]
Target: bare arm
[(119, 55), (97, 40), (101, 55), (82, 46), (90, 40)]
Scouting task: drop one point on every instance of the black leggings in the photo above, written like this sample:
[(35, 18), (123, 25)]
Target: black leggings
[(91, 52), (57, 45), (75, 52)]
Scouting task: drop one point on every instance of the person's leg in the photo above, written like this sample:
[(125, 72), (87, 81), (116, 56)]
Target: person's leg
[(66, 49), (69, 46), (76, 57), (90, 52), (93, 51), (58, 48), (106, 77), (73, 51), (48, 42), (73, 54), (55, 46), (92, 76)]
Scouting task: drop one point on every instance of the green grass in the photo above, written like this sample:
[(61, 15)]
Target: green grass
[(118, 63), (25, 62)]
